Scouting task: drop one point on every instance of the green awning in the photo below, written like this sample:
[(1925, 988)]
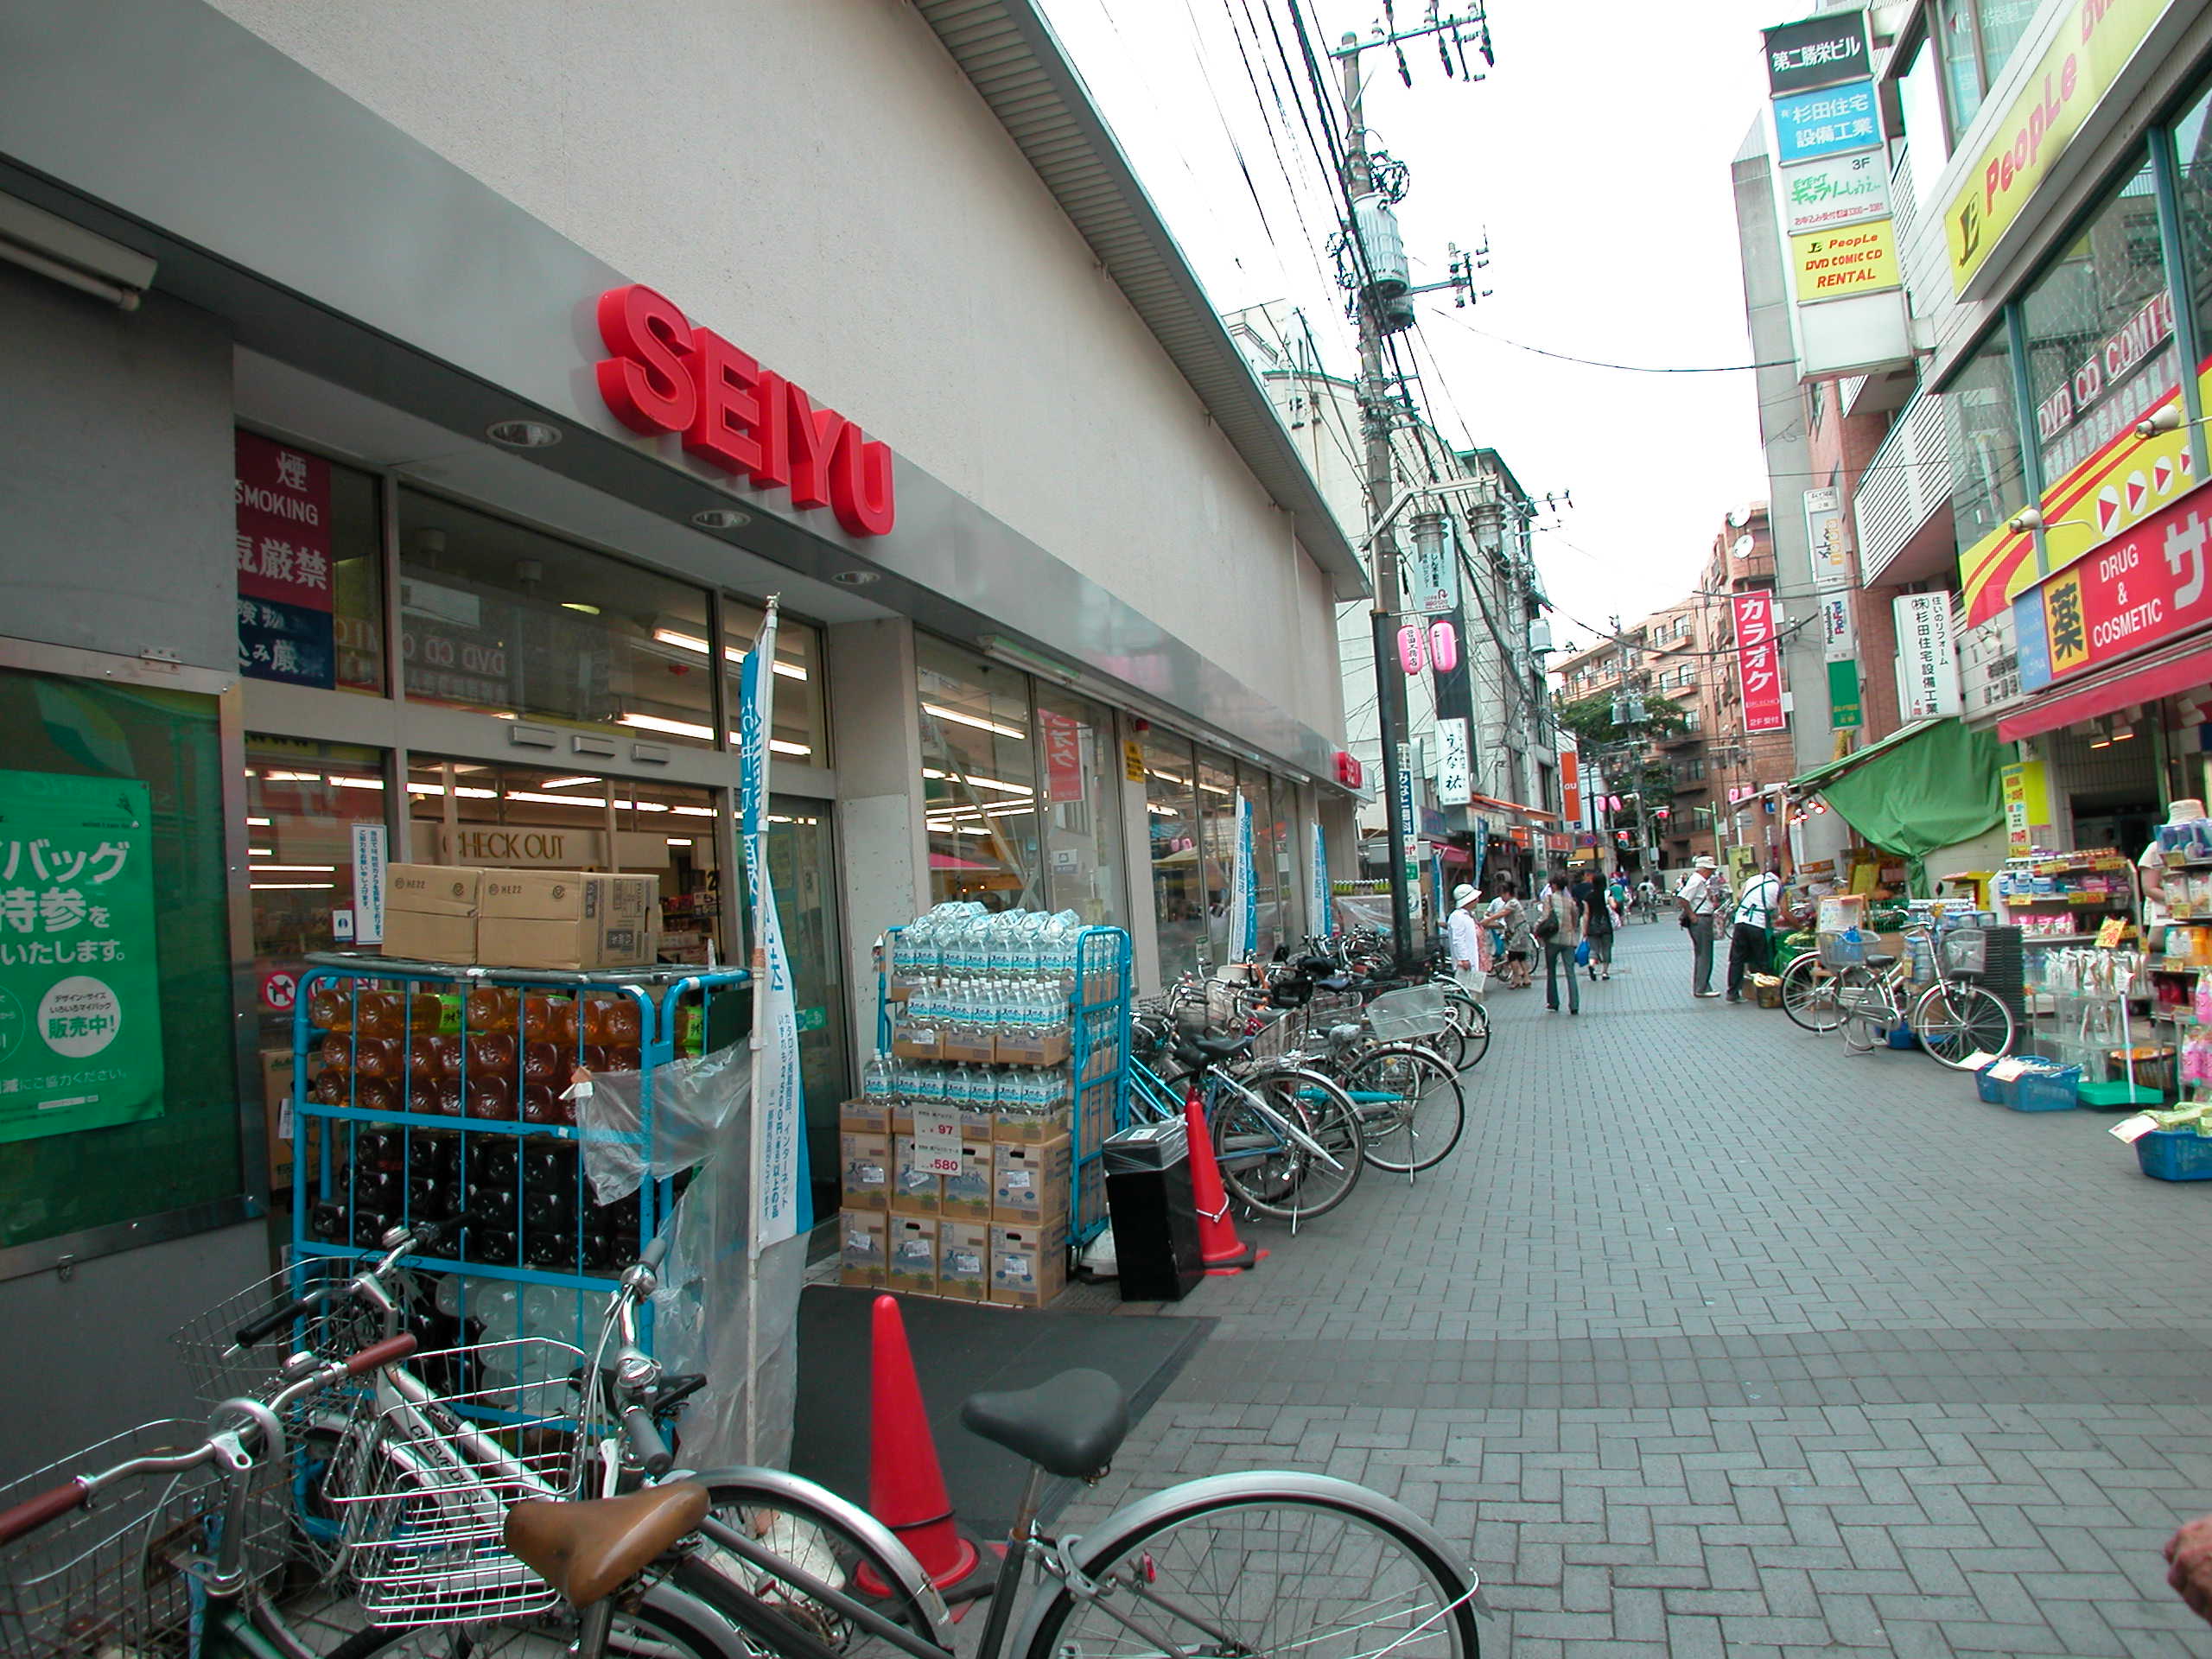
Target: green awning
[(1929, 785)]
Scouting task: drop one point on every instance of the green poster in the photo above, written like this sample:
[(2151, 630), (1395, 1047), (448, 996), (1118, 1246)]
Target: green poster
[(1845, 713), (80, 1017)]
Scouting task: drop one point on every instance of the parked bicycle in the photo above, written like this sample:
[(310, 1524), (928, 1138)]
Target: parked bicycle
[(1840, 985)]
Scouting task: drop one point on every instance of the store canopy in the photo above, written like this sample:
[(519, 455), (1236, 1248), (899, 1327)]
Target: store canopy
[(2178, 668), (1931, 786)]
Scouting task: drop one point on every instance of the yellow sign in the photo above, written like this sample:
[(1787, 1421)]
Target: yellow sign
[(1132, 762), (2093, 44), (2027, 803), (1836, 264), (2061, 623)]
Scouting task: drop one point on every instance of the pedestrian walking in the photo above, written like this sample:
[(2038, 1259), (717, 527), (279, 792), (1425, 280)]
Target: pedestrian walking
[(1469, 942), (1511, 946), (1598, 921), (1698, 898), (1559, 929), (1747, 939)]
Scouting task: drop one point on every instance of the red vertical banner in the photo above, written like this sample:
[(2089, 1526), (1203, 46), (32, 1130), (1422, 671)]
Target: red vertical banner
[(1570, 778), (1758, 663), (1063, 756), (285, 586)]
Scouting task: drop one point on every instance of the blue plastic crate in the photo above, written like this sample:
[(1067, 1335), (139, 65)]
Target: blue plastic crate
[(1900, 1036), (2175, 1155), (2044, 1089), (1989, 1088)]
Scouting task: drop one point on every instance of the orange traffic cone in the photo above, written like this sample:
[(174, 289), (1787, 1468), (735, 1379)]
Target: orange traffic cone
[(1218, 1246), (905, 1488)]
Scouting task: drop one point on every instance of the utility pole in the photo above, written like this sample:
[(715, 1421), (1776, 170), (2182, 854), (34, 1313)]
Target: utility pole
[(1378, 418)]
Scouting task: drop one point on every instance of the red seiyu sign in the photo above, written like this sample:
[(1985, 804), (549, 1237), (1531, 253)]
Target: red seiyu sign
[(1759, 664), (666, 376), (1063, 756)]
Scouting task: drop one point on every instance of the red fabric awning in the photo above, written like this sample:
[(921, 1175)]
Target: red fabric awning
[(2176, 669)]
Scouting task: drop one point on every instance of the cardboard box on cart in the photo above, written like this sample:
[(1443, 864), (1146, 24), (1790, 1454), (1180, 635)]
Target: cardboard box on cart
[(568, 920), (430, 911)]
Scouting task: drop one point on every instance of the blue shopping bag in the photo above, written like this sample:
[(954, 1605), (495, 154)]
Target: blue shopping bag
[(1582, 954)]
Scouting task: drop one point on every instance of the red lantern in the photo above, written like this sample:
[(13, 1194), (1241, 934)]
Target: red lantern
[(1444, 646), (1409, 656)]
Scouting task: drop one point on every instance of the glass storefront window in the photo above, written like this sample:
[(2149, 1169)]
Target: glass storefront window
[(498, 617), (1252, 786), (2192, 138), (802, 724), (1277, 850), (302, 800), (979, 779), (1083, 811), (2099, 330), (1178, 898), (1962, 62), (1983, 436), (1216, 781)]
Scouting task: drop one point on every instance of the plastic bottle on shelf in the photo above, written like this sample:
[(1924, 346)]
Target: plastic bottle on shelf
[(493, 1008), (612, 1021), (326, 1087), (549, 1020), (330, 1007), (545, 1104), (396, 1014), (376, 1095), (336, 1053), (490, 1095), (544, 1061), (876, 1080), (488, 1054)]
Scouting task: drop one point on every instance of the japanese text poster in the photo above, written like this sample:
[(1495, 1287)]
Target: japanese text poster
[(81, 1019), (285, 595)]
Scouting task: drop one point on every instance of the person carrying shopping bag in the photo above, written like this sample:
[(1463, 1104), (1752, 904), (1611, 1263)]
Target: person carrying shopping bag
[(1558, 930)]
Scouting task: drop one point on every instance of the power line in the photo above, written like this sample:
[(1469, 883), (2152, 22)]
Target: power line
[(1624, 368)]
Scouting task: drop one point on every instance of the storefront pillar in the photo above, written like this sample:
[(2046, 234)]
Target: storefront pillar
[(1143, 900), (880, 829)]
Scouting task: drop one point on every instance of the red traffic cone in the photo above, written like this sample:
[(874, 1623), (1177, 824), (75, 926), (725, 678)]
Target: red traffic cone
[(905, 1487), (1218, 1246)]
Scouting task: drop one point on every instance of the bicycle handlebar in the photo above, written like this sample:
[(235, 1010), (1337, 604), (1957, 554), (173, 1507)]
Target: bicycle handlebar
[(653, 1455), (33, 1513), (377, 1355)]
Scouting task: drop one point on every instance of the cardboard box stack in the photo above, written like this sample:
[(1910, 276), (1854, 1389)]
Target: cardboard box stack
[(561, 920)]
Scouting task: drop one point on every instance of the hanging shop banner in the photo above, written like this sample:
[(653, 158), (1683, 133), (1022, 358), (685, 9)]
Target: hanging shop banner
[(1063, 738), (779, 1094), (1432, 575), (1243, 901), (1407, 822), (2027, 790), (1838, 632), (284, 587), (1324, 920), (1759, 664), (2137, 591), (1833, 122), (1927, 667), (80, 1011), (1989, 667), (1455, 764), (2096, 39), (1847, 711), (1816, 51), (1836, 264), (1842, 190), (1828, 535), (1570, 784)]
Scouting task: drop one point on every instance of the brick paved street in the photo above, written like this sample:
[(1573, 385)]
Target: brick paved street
[(1714, 1339)]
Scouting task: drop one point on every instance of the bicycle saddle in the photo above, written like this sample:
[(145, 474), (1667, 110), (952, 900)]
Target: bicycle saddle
[(588, 1550), (1070, 1426), (1213, 1050), (1878, 959)]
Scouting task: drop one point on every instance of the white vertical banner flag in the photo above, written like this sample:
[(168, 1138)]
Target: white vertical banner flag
[(778, 1102), (1244, 914)]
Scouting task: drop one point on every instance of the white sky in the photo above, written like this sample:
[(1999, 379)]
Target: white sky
[(1596, 156)]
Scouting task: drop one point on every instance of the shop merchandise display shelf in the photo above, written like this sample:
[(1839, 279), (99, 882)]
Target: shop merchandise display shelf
[(423, 1088)]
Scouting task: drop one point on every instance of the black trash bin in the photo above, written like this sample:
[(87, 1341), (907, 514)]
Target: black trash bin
[(1155, 1218)]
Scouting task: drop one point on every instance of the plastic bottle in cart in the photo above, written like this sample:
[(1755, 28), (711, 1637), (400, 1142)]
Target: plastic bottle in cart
[(876, 1082)]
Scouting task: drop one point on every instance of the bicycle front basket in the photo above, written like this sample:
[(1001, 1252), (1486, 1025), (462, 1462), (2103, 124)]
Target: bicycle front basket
[(1413, 1014), (1842, 951), (1966, 951)]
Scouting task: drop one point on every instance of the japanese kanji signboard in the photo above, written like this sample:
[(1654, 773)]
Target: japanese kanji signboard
[(1928, 666), (1821, 195), (80, 1018), (1835, 122), (1816, 51), (2138, 590), (1758, 662), (285, 590)]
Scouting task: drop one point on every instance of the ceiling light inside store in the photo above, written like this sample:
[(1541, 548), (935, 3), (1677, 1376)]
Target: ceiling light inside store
[(261, 852), (673, 728), (356, 783), (294, 777), (460, 791), (679, 841), (981, 783), (261, 823), (580, 608), (294, 870), (721, 518), (565, 782), (683, 641), (523, 435), (292, 886), (975, 720)]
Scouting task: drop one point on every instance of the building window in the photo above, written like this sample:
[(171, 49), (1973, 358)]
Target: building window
[(1083, 806), (802, 724), (1170, 808), (498, 617), (1216, 780), (2099, 324), (1983, 436), (979, 779), (2192, 138), (1977, 41)]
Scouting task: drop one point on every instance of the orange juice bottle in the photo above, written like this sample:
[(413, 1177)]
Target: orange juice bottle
[(338, 1051), (549, 1020), (379, 1057), (491, 1008), (611, 1020), (330, 1007)]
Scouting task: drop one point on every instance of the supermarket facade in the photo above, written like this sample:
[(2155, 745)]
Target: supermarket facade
[(379, 450)]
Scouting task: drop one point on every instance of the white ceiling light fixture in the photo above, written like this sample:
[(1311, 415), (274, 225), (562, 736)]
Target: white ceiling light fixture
[(975, 720), (981, 783), (567, 782), (673, 728), (65, 252)]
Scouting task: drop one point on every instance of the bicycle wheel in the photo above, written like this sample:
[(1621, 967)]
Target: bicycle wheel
[(646, 1631), (1954, 1020), (1870, 1013), (1293, 1153), (1809, 994), (1474, 1037), (1421, 1115), (1265, 1564)]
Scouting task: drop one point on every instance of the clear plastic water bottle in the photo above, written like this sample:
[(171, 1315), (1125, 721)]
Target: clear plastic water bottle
[(983, 1093), (877, 1080)]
